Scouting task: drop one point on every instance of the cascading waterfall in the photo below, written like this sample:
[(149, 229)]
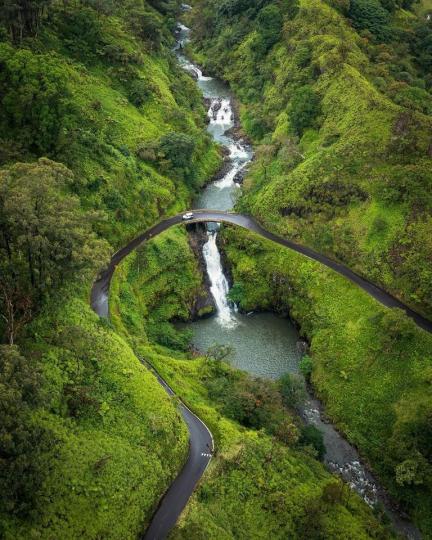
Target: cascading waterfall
[(221, 119), (218, 282)]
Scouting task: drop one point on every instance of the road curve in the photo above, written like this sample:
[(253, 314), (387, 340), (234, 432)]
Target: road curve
[(200, 451), (201, 441), (100, 290)]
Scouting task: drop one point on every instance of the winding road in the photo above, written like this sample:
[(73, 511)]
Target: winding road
[(201, 441), (201, 448), (100, 290)]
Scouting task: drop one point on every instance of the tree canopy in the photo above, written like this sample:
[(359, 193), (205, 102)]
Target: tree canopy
[(45, 237)]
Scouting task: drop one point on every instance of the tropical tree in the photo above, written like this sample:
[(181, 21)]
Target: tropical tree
[(23, 18), (303, 109), (45, 238), (34, 99)]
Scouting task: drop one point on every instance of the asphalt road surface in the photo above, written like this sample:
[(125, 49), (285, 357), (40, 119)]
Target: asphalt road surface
[(200, 452), (201, 441)]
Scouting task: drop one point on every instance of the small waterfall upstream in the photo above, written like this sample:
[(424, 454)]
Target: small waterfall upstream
[(221, 193), (221, 119)]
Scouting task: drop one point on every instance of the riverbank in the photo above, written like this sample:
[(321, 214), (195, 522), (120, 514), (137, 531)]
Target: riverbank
[(345, 344), (344, 165), (231, 328), (190, 379)]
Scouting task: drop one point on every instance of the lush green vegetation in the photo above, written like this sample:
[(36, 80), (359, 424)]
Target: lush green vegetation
[(92, 116), (259, 439), (89, 440), (156, 286), (101, 134), (339, 106), (341, 119), (283, 490), (353, 339)]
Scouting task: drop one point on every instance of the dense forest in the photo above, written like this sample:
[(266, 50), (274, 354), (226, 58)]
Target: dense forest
[(101, 135)]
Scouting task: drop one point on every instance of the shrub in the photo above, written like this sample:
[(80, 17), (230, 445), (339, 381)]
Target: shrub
[(146, 151), (178, 148), (82, 33), (303, 55), (414, 98), (165, 334), (23, 466), (139, 92), (379, 225), (306, 366), (303, 109), (269, 25), (398, 330), (292, 390), (50, 239), (35, 99), (370, 15), (312, 436), (148, 27)]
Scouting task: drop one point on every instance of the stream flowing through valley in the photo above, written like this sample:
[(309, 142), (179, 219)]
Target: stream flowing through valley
[(263, 344)]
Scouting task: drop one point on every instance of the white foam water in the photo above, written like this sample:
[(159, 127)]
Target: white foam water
[(218, 282)]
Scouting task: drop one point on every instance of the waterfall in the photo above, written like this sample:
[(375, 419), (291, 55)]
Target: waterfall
[(218, 282), (221, 120)]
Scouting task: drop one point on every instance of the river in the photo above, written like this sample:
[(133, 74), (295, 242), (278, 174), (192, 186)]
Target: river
[(263, 344)]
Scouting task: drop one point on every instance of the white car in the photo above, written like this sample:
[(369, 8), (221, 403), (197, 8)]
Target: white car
[(188, 216)]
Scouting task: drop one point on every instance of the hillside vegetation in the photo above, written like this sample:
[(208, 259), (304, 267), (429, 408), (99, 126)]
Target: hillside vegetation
[(336, 96), (265, 478), (371, 365), (100, 134)]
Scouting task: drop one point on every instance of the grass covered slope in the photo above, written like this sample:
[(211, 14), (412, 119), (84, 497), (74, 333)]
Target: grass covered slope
[(265, 478), (371, 366), (89, 440), (109, 101), (155, 286), (256, 485), (108, 440), (339, 105), (336, 97)]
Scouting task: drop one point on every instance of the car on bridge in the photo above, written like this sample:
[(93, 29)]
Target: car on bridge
[(188, 216)]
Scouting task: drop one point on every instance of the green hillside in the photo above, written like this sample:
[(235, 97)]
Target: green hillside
[(336, 97), (102, 135), (342, 122), (93, 113)]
